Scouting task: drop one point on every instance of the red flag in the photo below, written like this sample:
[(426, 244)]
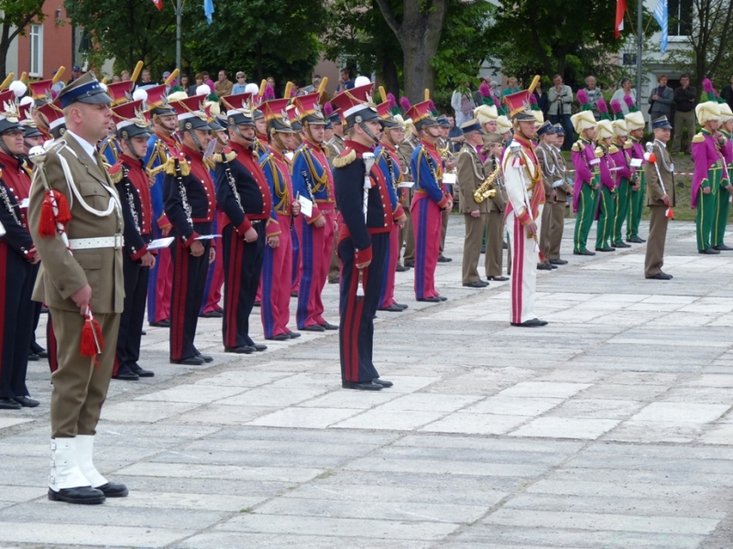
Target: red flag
[(158, 4), (620, 11)]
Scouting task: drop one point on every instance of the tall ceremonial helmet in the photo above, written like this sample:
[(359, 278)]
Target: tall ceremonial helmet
[(356, 105), (707, 111), (276, 115), (519, 104), (582, 121), (604, 129)]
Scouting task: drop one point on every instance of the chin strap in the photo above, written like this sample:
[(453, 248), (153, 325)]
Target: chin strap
[(369, 133)]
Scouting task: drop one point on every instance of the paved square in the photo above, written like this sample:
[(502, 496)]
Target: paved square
[(611, 427)]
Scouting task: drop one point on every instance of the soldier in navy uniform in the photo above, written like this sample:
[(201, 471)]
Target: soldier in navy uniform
[(131, 181), (244, 196), (18, 260), (363, 199), (190, 204)]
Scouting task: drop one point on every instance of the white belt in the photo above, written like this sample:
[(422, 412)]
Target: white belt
[(115, 242)]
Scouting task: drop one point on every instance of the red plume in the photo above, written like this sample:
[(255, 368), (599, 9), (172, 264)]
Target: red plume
[(405, 103), (328, 109)]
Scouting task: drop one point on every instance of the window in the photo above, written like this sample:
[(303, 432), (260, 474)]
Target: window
[(36, 43), (680, 17)]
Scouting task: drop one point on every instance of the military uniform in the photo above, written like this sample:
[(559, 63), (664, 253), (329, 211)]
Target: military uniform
[(722, 204), (585, 188), (190, 204), (637, 184), (624, 173), (557, 207), (660, 182), (407, 238), (312, 179), (86, 250), (708, 175), (550, 175), (607, 191), (367, 219)]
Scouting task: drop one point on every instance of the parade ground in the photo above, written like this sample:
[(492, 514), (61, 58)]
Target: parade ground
[(610, 427)]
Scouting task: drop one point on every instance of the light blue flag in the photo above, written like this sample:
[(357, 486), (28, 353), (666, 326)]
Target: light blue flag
[(661, 14), (209, 10)]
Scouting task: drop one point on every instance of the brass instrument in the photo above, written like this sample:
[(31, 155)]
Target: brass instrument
[(486, 189)]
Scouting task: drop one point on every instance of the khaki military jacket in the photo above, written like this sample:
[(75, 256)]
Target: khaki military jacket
[(654, 188), (95, 211)]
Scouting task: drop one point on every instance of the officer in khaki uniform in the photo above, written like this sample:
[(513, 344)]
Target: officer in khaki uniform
[(85, 278), (495, 234), (550, 174), (471, 175), (659, 174), (557, 207)]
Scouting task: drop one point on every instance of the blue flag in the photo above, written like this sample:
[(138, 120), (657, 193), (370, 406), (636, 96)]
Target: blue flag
[(209, 10), (661, 14)]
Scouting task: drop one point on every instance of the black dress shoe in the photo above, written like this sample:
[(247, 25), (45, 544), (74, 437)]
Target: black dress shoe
[(635, 240), (85, 495), (38, 350), (709, 251), (409, 263), (544, 267), (722, 248), (279, 337), (33, 357), (401, 268), (534, 323), (443, 259), (558, 261), (141, 372), (257, 304), (660, 276), (620, 244), (402, 306), (190, 361), (127, 375), (259, 347), (382, 382), (366, 386), (241, 350), (205, 358), (431, 299), (9, 404), (553, 267), (442, 298), (584, 251), (329, 326), (606, 249), (499, 278), (293, 335), (211, 314), (26, 401), (113, 490), (313, 328), (476, 284), (392, 308), (165, 323)]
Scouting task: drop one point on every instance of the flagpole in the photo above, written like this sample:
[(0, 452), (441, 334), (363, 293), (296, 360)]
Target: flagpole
[(179, 13), (639, 38)]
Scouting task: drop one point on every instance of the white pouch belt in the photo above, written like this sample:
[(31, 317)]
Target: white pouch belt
[(115, 242)]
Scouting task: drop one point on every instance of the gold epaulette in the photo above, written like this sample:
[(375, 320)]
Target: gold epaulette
[(578, 146), (170, 166), (600, 152), (115, 172), (628, 144), (698, 138), (227, 155), (613, 149), (345, 158)]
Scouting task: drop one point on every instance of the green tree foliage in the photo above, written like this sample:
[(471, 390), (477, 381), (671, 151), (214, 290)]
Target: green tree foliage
[(262, 37), (15, 17), (571, 37)]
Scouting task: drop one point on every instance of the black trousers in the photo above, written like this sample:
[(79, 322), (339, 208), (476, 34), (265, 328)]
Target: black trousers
[(242, 268), (356, 325), (131, 320), (189, 277), (16, 322)]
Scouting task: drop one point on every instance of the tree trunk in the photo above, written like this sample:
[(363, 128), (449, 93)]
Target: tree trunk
[(388, 75), (417, 71), (4, 46)]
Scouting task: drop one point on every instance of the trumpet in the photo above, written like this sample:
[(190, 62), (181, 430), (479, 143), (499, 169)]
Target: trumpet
[(486, 189)]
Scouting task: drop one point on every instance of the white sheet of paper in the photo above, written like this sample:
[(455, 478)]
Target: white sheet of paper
[(635, 163), (595, 161), (406, 184), (24, 203), (210, 148), (159, 243), (306, 205), (208, 237), (449, 178)]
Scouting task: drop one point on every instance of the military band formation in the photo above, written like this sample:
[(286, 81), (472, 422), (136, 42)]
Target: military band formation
[(117, 201)]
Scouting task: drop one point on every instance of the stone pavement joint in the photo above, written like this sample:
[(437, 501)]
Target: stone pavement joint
[(610, 427)]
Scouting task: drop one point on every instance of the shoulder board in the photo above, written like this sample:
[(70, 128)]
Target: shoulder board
[(578, 146), (628, 144), (599, 152), (115, 172), (346, 157), (613, 149), (698, 138)]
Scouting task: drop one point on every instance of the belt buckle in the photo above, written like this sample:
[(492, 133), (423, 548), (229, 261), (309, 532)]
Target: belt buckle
[(118, 241)]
